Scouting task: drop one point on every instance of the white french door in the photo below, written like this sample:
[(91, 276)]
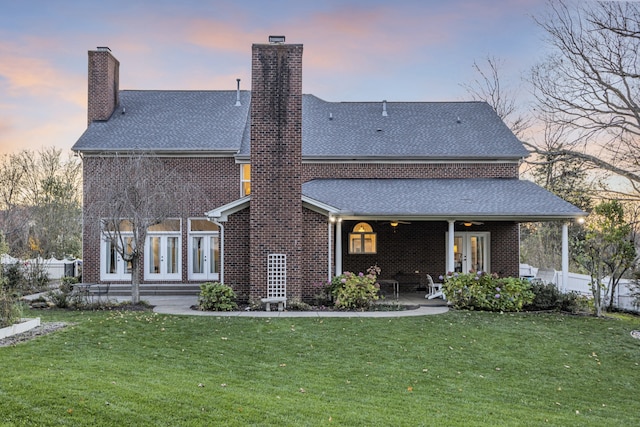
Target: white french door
[(471, 252), (113, 266), (204, 257), (162, 261)]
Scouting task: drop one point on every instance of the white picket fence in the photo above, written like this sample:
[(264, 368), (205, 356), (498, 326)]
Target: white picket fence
[(56, 268), (581, 283)]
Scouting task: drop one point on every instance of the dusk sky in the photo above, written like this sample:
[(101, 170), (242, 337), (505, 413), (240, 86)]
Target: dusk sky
[(354, 50)]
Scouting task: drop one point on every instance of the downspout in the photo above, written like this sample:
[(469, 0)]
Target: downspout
[(215, 221)]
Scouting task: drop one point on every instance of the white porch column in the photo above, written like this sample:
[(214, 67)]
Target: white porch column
[(565, 256), (339, 247), (450, 243), (329, 264)]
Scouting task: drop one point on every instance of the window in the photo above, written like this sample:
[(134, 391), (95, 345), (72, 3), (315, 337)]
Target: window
[(362, 240), (163, 253), (112, 265), (204, 250), (245, 179)]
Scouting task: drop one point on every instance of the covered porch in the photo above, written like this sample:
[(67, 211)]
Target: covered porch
[(412, 228)]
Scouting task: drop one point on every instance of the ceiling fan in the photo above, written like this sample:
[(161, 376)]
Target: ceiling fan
[(394, 223), (470, 223)]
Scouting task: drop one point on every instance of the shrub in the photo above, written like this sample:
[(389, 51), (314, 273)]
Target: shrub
[(356, 291), (482, 291), (10, 309), (63, 297), (216, 297), (549, 297)]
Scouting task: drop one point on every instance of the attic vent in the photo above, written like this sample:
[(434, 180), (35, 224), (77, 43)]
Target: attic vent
[(384, 108), (238, 104)]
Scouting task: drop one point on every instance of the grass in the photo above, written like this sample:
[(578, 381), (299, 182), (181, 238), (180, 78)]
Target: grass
[(456, 369)]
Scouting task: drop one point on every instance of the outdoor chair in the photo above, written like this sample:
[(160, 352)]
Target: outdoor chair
[(435, 289), (100, 291)]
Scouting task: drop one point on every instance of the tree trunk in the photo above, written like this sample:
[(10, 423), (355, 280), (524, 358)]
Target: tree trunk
[(135, 281)]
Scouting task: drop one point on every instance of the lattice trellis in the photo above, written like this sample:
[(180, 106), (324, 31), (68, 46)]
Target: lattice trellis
[(277, 276)]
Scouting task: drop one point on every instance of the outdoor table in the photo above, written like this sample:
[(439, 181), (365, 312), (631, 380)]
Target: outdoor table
[(394, 283)]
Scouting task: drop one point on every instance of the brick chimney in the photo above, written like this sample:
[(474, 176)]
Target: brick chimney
[(276, 163), (104, 77)]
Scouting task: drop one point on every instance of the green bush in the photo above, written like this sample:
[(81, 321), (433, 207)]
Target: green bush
[(356, 291), (482, 291), (548, 297), (214, 296), (10, 309), (63, 296)]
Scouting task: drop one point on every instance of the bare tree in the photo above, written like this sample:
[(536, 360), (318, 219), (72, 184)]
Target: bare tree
[(489, 87), (126, 195), (591, 82)]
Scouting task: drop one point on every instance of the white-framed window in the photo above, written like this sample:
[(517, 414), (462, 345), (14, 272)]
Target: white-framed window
[(245, 179), (163, 251), (471, 251), (204, 250), (112, 264), (362, 240)]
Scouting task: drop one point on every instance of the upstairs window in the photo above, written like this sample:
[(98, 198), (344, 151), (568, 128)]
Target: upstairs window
[(245, 180), (362, 240)]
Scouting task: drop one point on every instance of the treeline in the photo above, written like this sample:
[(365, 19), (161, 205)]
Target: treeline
[(40, 204)]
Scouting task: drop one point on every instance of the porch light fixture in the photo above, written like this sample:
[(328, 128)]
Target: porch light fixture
[(393, 224), (276, 39), (580, 220), (467, 224)]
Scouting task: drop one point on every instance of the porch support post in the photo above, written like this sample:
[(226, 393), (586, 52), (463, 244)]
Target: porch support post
[(329, 229), (565, 256), (450, 243), (338, 247)]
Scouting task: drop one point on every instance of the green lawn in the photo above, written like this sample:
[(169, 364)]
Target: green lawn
[(456, 369)]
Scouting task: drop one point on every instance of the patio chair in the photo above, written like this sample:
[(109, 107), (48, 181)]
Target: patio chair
[(100, 291), (435, 289)]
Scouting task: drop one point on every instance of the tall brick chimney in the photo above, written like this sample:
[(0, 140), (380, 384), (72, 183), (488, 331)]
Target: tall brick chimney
[(104, 78), (276, 164)]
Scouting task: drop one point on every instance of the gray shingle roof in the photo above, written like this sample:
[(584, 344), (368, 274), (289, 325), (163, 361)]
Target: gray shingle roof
[(188, 121), (208, 121), (410, 129), (507, 199)]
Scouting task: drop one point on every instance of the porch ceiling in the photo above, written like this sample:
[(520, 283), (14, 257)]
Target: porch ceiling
[(494, 199)]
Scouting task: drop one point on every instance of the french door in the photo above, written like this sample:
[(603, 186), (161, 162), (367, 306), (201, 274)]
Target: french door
[(163, 258), (204, 259), (471, 252), (113, 266)]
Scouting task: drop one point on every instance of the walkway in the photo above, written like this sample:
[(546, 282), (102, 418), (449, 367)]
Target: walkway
[(181, 305)]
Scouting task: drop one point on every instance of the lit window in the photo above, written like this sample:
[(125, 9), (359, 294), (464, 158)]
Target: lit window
[(362, 240), (245, 180)]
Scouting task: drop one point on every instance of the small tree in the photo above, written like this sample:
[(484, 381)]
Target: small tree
[(128, 194), (606, 250)]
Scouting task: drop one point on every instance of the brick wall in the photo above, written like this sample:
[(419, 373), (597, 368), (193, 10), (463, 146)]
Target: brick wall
[(409, 170), (276, 163), (421, 246), (104, 80), (217, 181)]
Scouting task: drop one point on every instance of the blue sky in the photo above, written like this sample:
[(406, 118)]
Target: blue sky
[(354, 50)]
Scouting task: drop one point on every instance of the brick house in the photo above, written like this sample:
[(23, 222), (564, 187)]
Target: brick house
[(297, 188)]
